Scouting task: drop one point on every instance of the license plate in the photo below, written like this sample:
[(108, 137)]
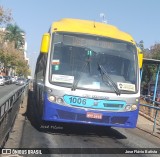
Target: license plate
[(94, 115)]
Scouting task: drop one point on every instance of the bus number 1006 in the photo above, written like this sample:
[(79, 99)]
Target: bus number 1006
[(77, 100)]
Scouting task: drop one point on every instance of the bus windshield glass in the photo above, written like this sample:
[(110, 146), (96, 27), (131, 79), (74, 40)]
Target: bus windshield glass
[(86, 62)]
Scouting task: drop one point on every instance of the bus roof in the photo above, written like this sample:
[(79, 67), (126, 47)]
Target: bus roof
[(90, 27)]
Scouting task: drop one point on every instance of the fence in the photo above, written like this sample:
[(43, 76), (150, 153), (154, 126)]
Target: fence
[(150, 109), (9, 107)]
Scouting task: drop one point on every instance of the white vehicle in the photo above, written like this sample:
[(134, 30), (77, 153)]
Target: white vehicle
[(1, 81), (13, 79)]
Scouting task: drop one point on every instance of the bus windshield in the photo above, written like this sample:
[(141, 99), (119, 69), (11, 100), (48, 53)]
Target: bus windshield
[(83, 62)]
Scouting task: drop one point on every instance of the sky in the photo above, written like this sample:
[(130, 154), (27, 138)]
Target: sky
[(140, 18)]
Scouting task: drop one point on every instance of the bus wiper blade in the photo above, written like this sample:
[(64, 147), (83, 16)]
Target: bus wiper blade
[(75, 83), (109, 80), (87, 62)]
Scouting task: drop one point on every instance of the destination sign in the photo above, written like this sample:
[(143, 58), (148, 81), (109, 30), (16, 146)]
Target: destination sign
[(90, 41)]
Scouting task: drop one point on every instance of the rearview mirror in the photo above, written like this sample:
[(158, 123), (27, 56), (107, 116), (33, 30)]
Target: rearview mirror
[(45, 43)]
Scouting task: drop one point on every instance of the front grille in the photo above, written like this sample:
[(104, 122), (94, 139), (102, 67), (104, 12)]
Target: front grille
[(66, 115), (82, 117), (117, 106), (119, 120)]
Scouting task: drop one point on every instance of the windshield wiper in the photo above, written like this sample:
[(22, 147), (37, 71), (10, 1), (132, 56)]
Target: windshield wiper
[(103, 73), (75, 83), (87, 62)]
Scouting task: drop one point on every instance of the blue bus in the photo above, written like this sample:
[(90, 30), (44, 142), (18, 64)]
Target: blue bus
[(88, 72)]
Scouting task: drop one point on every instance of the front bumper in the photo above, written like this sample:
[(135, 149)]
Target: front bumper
[(58, 113)]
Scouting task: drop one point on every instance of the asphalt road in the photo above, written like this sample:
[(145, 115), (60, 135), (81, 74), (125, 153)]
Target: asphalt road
[(58, 135), (4, 90), (82, 136)]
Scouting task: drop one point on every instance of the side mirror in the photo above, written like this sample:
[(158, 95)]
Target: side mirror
[(140, 60), (45, 43)]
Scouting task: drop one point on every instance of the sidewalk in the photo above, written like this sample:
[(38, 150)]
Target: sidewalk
[(147, 125)]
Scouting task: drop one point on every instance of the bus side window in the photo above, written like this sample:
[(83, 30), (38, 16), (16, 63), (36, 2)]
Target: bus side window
[(40, 69)]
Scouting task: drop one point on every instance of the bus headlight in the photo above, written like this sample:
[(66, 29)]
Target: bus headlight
[(52, 98), (59, 100), (49, 90), (128, 108), (134, 107), (55, 99), (131, 107)]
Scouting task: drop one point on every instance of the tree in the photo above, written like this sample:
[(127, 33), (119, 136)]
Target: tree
[(11, 46), (149, 71), (141, 45), (22, 68), (15, 34), (9, 57), (5, 16), (155, 51)]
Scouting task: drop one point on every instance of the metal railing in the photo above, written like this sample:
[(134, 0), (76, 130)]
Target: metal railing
[(155, 105), (9, 107)]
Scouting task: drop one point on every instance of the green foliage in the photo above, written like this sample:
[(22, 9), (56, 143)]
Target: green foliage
[(15, 34), (141, 45), (155, 51), (149, 71), (22, 68), (12, 45)]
